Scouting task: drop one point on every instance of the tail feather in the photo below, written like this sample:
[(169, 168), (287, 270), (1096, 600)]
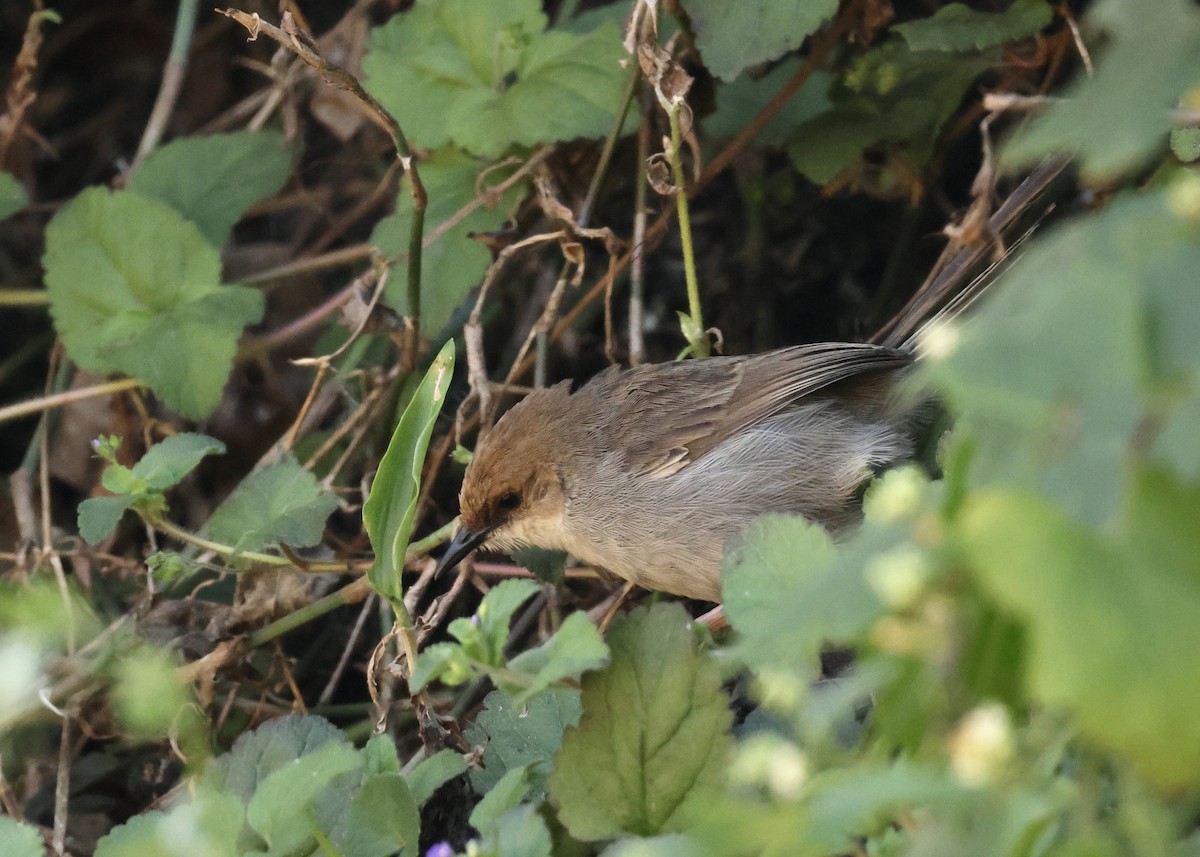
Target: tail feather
[(963, 274)]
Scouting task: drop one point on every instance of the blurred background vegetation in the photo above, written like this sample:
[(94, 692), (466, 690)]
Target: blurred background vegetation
[(209, 329)]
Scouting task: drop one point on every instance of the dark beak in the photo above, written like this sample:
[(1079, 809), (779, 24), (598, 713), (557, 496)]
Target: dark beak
[(463, 543)]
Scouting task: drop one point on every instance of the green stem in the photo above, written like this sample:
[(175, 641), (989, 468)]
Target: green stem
[(610, 145), (339, 78), (349, 594), (415, 549), (172, 81), (165, 526), (24, 297), (416, 233), (697, 339), (439, 536)]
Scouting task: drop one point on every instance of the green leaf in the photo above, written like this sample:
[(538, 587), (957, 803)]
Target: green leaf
[(509, 792), (788, 593), (1178, 444), (280, 503), (1160, 523), (270, 747), (486, 77), (218, 817), (445, 662), (480, 638), (956, 27), (19, 840), (837, 809), (280, 809), (1080, 594), (1185, 144), (98, 516), (162, 467), (23, 668), (382, 819), (455, 263), (392, 502), (520, 832), (741, 100), (480, 649), (174, 457), (892, 97), (12, 195), (201, 828), (149, 694), (380, 756), (667, 845), (51, 615), (653, 736), (848, 804), (521, 737), (735, 36), (434, 772), (1115, 119), (135, 288), (575, 648), (212, 180), (1059, 418), (494, 614), (140, 836), (121, 480)]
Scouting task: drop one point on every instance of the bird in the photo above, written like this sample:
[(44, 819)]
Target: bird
[(646, 472)]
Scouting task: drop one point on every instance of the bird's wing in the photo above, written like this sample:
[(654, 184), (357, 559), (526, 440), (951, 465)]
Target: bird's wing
[(670, 415)]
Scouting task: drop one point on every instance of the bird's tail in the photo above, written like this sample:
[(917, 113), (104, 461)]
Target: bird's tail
[(963, 273)]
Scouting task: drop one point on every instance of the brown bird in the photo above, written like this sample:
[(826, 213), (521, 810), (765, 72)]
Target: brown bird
[(646, 472)]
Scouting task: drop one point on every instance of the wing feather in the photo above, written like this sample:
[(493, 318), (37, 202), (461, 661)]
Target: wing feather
[(669, 415)]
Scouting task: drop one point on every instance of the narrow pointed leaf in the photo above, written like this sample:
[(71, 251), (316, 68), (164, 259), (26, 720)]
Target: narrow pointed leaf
[(389, 509)]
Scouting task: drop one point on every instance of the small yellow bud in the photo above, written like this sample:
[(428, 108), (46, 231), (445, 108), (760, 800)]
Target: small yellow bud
[(982, 745)]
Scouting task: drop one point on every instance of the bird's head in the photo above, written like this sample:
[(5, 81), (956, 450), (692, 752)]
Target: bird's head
[(513, 492)]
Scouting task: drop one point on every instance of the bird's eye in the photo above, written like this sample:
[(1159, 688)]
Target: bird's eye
[(509, 501)]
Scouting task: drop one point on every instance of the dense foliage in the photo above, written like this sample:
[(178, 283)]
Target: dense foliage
[(218, 634)]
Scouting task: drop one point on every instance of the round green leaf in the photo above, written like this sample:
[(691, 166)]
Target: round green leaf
[(136, 288)]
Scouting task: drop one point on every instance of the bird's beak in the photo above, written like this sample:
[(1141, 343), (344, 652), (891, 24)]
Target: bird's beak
[(463, 543)]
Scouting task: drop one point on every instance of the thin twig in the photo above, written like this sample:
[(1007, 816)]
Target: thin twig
[(489, 194), (300, 43), (538, 333), (252, 348), (332, 259), (610, 144), (1080, 45), (821, 47), (347, 651), (380, 275), (289, 437), (351, 593), (62, 788), (637, 265), (364, 407), (172, 82), (369, 415), (67, 397), (472, 330)]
